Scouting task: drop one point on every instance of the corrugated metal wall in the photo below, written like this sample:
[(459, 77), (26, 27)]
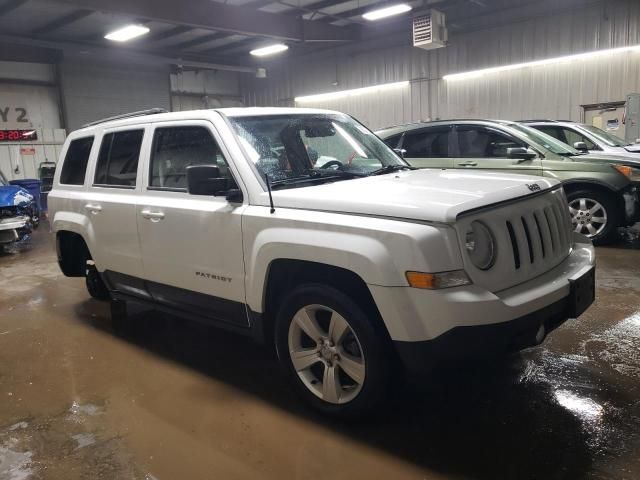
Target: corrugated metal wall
[(192, 90), (555, 91), (92, 92)]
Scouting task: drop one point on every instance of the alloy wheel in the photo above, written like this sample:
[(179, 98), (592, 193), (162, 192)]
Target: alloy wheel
[(588, 216), (326, 354)]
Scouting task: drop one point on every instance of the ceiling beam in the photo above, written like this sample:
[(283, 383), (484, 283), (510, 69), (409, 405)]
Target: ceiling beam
[(10, 5), (58, 23), (234, 47), (227, 18), (172, 32), (258, 4), (348, 14), (198, 41), (317, 6), (80, 50)]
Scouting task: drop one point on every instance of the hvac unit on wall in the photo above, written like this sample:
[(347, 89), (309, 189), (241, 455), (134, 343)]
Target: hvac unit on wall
[(429, 30)]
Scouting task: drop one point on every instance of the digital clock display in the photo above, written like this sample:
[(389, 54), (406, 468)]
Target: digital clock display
[(18, 135)]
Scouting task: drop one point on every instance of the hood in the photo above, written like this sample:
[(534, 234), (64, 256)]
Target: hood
[(427, 195), (631, 160), (11, 196), (635, 148)]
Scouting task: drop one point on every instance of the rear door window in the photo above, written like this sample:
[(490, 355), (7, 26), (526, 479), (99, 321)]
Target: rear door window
[(431, 143), (117, 164), (75, 161)]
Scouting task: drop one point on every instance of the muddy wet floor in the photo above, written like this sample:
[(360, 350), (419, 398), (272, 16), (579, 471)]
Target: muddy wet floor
[(180, 401)]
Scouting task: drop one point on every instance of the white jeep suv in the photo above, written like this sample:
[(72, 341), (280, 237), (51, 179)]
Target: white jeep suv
[(301, 228)]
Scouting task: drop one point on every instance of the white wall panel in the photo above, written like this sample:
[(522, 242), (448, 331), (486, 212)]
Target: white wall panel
[(553, 91), (40, 103)]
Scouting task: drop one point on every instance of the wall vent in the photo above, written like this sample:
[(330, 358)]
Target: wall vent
[(429, 30)]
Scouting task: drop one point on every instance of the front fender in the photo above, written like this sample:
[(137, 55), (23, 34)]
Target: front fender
[(380, 251)]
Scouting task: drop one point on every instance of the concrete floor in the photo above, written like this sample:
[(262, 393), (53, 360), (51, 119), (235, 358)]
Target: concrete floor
[(182, 401)]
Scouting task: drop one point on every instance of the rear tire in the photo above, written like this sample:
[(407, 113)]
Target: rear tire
[(594, 214), (95, 286), (343, 363)]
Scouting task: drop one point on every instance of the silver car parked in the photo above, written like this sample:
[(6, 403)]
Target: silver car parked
[(587, 138)]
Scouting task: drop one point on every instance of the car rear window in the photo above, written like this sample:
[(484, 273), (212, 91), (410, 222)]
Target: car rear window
[(118, 160), (75, 161)]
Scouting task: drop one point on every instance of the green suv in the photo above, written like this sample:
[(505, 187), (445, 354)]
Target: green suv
[(601, 195)]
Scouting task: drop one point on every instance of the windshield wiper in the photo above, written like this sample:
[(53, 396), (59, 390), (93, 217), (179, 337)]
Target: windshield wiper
[(314, 176), (391, 169)]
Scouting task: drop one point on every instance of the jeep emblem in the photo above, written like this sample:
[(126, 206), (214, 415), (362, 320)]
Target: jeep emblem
[(534, 187)]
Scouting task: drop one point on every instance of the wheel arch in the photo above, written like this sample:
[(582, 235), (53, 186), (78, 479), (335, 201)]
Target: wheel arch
[(574, 186), (73, 253), (285, 274)]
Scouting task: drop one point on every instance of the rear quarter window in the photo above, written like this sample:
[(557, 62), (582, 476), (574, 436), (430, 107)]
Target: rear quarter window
[(74, 165)]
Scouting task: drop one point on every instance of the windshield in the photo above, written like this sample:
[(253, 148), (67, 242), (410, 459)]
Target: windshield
[(295, 146), (542, 139), (605, 137)]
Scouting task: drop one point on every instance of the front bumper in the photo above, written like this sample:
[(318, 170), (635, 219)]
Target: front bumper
[(463, 343), (631, 197), (465, 321), (11, 229)]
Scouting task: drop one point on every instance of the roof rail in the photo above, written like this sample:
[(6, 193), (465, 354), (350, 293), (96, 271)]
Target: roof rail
[(140, 113), (539, 120)]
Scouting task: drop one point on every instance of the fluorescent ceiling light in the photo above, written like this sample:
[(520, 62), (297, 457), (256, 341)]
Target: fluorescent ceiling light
[(269, 50), (537, 63), (127, 33), (386, 12), (350, 93)]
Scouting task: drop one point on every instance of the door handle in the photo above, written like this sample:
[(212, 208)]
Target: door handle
[(93, 208), (153, 216), (468, 163)]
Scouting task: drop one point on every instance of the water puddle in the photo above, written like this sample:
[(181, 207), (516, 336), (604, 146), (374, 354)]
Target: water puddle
[(618, 346), (14, 464)]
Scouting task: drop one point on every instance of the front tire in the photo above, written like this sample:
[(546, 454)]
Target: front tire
[(594, 214), (332, 353)]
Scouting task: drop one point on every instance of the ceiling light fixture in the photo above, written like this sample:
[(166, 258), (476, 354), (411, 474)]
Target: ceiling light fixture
[(537, 63), (127, 33), (350, 93), (269, 50), (387, 12)]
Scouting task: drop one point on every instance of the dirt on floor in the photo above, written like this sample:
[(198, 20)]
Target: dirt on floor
[(181, 401)]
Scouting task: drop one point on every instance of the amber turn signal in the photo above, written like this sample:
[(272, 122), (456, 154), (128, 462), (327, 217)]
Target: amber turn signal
[(623, 169), (433, 281), (421, 280)]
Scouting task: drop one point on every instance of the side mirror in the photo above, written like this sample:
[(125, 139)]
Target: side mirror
[(521, 153), (205, 180), (400, 151), (581, 146), (234, 195)]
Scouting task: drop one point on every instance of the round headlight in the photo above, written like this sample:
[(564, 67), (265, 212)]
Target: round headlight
[(481, 247)]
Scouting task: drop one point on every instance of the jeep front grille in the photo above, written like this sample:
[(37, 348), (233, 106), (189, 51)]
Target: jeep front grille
[(532, 236), (539, 233)]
